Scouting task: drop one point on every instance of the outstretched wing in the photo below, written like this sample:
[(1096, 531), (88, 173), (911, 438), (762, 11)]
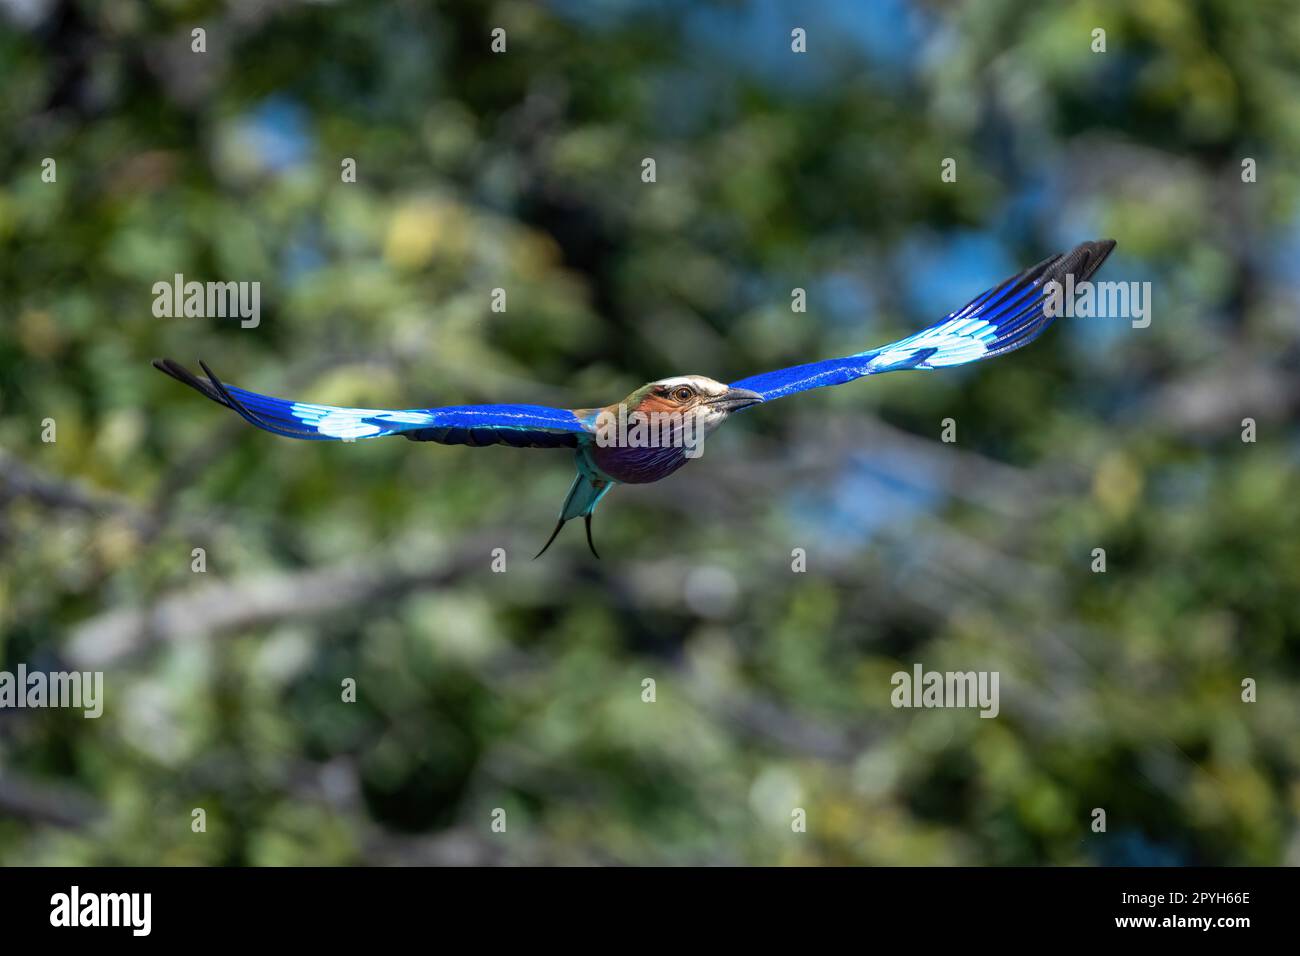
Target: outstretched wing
[(1002, 319), (521, 426)]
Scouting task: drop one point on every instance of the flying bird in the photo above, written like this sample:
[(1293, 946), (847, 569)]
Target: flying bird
[(685, 408)]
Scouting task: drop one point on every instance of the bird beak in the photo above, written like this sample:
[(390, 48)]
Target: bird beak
[(734, 399)]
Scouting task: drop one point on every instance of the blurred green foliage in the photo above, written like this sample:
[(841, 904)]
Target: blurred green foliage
[(523, 690)]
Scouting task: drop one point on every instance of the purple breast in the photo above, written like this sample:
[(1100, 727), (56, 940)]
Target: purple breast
[(637, 466)]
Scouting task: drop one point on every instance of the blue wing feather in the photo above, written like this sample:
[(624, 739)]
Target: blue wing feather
[(517, 425), (1006, 317)]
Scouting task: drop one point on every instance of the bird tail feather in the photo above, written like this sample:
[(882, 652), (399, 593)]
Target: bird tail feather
[(584, 494)]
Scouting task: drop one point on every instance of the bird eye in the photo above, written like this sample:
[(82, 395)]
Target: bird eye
[(683, 393)]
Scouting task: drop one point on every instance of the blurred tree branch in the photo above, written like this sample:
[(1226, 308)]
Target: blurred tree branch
[(18, 480), (52, 804), (225, 606)]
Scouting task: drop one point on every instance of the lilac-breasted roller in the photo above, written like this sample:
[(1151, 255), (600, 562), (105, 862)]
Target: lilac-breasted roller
[(658, 428)]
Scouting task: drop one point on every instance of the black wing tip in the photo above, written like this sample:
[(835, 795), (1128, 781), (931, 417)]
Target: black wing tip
[(183, 375), (173, 368), (1082, 261)]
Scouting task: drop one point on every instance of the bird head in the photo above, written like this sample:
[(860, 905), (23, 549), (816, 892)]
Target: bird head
[(694, 395)]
